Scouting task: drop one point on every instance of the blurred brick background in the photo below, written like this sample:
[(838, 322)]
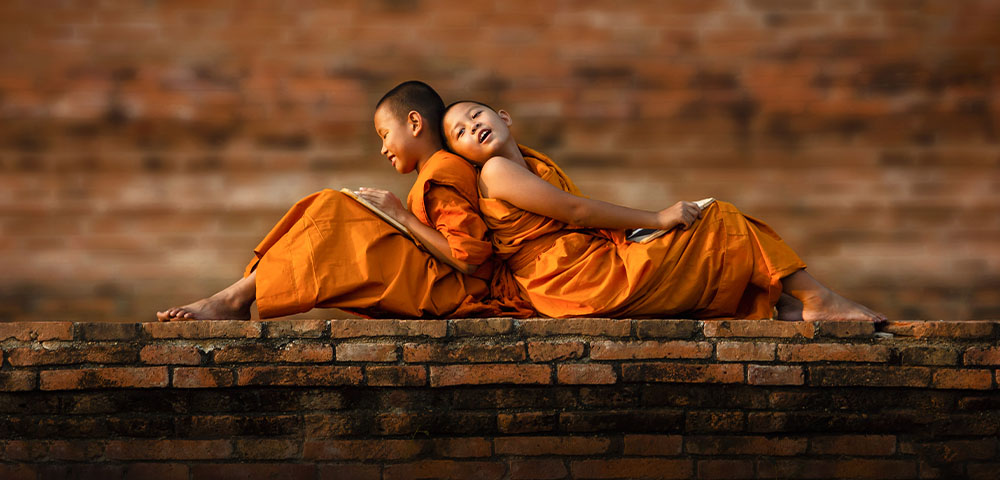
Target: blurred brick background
[(146, 146)]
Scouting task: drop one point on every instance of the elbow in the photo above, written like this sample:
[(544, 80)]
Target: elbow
[(578, 214)]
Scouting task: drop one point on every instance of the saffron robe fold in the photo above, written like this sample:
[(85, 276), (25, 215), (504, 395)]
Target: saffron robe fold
[(725, 265), (329, 251)]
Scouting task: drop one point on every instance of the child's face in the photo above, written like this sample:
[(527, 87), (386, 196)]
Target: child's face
[(398, 140), (476, 132)]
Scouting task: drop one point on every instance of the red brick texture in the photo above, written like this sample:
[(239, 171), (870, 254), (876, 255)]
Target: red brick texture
[(518, 399)]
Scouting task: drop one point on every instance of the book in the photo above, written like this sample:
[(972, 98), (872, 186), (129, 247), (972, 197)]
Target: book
[(645, 235), (378, 211)]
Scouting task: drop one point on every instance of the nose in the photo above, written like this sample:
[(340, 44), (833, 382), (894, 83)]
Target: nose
[(475, 127), (384, 150)]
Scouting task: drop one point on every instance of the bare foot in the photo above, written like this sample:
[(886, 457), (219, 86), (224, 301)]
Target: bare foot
[(829, 306), (232, 303), (789, 309)]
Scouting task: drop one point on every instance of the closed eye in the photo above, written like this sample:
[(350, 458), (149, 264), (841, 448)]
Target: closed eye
[(474, 115), (460, 132)]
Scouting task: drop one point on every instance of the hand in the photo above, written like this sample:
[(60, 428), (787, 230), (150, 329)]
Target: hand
[(680, 213), (386, 201)]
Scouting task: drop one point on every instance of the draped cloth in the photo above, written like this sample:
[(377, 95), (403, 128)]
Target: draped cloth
[(330, 251), (726, 265)]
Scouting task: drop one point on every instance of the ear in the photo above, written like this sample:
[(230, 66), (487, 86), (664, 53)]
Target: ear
[(505, 117), (415, 122)]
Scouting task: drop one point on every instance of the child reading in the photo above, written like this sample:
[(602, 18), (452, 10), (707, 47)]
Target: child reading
[(330, 251), (570, 256)]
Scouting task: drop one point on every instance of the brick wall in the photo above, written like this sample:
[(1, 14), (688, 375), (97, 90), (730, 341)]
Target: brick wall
[(145, 147), (499, 399)]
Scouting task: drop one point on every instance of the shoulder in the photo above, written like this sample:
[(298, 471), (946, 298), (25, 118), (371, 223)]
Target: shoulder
[(448, 168), (498, 168)]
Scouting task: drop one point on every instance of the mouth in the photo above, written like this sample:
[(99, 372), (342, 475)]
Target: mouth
[(484, 134), (392, 160)]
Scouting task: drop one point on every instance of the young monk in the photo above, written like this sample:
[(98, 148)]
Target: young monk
[(330, 251), (569, 255)]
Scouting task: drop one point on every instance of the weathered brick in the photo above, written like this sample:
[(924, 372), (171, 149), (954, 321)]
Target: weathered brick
[(92, 331), (624, 420), (266, 449), (604, 327), (347, 471), (172, 449), (548, 445), (632, 468), (445, 470), (960, 378), (388, 328), (860, 445), (374, 449), (928, 356), (170, 355), (714, 421), (464, 447), (832, 352), (744, 445), (982, 356), (482, 374), (17, 381), (943, 329), (295, 328), (667, 328), (554, 351), (775, 375), (116, 377), (744, 351), (204, 377), (463, 353), (527, 422), (466, 327), (586, 373), (72, 354), (682, 373), (653, 445), (725, 469), (294, 352), (537, 469), (289, 471), (36, 331), (18, 472), (300, 376), (160, 471), (879, 376), (609, 350), (366, 352), (396, 375), (844, 468), (758, 328), (203, 329), (337, 424), (842, 329)]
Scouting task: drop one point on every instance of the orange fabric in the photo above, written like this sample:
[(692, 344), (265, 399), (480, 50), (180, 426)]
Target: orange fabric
[(726, 265), (329, 251)]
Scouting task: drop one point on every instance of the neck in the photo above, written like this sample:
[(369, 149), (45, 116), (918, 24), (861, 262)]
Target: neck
[(425, 154), (510, 151)]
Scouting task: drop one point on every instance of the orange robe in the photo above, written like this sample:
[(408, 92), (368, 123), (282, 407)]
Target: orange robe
[(330, 251), (726, 265)]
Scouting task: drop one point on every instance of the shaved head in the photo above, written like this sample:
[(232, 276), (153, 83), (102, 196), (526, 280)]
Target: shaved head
[(415, 96)]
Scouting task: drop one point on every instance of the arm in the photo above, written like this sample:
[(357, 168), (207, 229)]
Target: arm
[(433, 240), (505, 180)]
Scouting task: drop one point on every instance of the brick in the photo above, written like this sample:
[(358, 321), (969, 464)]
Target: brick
[(631, 420), (205, 377), (337, 424), (366, 352), (203, 329), (83, 472), (257, 470), (712, 421), (72, 354), (682, 373), (17, 381), (982, 356), (464, 447), (725, 469), (36, 331), (388, 328), (377, 449), (266, 449), (112, 377), (445, 470), (851, 376), (842, 329), (758, 328), (554, 351), (92, 331), (952, 451), (484, 327), (775, 375), (603, 327), (396, 376), (667, 328), (845, 468), (295, 328), (342, 471), (833, 352), (527, 422), (173, 449), (860, 445), (17, 472), (941, 329), (483, 374), (653, 445), (928, 356), (965, 379), (170, 355), (532, 446), (463, 353), (744, 445), (586, 374), (299, 376), (608, 350), (537, 470), (293, 352), (159, 471), (744, 351), (631, 468), (40, 450)]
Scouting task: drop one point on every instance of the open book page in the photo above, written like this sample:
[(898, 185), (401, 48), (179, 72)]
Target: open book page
[(644, 235), (378, 211)]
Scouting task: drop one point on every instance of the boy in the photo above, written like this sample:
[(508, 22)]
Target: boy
[(330, 251)]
